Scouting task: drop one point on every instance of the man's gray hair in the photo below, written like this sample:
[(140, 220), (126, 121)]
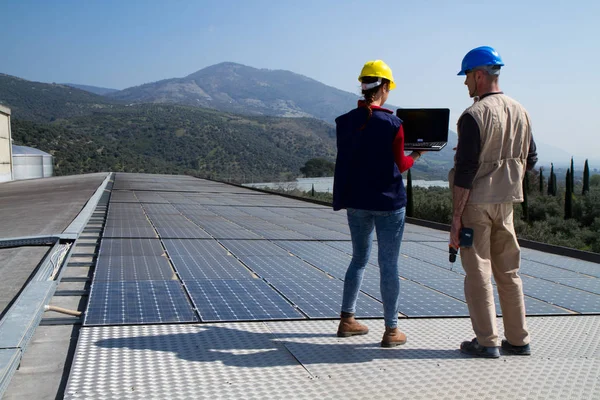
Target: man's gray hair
[(490, 69)]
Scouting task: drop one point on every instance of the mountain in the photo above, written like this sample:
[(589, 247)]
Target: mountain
[(44, 102), (241, 89), (89, 133), (93, 89)]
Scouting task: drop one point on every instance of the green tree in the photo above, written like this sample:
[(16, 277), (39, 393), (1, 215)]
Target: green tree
[(541, 180), (568, 196), (318, 167), (572, 181), (409, 195), (551, 182), (586, 179)]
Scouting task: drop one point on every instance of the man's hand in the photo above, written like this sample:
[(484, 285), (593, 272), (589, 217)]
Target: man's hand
[(455, 232)]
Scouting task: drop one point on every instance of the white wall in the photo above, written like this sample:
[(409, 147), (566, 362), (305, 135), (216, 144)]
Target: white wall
[(5, 146)]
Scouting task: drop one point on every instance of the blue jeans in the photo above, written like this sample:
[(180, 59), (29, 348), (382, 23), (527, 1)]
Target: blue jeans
[(390, 227)]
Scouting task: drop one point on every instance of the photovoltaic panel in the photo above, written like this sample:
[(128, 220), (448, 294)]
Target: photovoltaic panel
[(417, 270), (280, 234), (562, 296), (455, 288), (429, 254), (440, 245), (118, 196), (160, 209), (131, 247), (239, 300), (239, 233), (588, 284), (545, 271), (419, 301), (324, 234), (581, 266), (182, 233), (131, 232), (282, 267), (206, 266), (194, 247), (150, 197), (254, 248), (322, 298), (132, 268), (141, 302), (325, 257)]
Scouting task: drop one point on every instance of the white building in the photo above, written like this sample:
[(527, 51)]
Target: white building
[(30, 163), (5, 145)]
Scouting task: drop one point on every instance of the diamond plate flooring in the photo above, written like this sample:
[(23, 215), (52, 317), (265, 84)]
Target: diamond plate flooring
[(305, 360)]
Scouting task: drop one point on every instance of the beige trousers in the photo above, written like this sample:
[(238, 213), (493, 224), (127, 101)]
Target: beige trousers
[(495, 251)]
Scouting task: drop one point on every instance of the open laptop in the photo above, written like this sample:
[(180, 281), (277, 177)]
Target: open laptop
[(424, 128)]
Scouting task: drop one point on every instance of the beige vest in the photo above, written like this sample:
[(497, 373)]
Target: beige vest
[(505, 136)]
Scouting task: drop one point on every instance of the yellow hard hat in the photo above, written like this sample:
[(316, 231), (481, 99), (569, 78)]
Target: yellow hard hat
[(377, 69)]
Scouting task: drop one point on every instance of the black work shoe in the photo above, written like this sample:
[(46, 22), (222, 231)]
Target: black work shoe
[(473, 348), (515, 350)]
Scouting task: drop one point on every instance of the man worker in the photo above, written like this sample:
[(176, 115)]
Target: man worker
[(495, 147)]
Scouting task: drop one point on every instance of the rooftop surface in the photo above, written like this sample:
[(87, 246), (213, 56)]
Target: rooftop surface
[(205, 289)]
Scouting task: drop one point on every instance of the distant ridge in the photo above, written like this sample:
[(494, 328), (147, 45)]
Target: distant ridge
[(92, 89), (241, 89)]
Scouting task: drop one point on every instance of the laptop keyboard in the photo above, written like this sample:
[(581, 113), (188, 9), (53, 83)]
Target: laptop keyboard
[(427, 144)]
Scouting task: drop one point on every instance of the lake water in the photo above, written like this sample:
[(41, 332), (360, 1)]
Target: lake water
[(326, 184)]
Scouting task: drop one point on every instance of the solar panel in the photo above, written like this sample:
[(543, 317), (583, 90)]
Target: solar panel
[(182, 233), (280, 234), (207, 266), (132, 268), (588, 284), (131, 247), (239, 233), (418, 301), (239, 300), (581, 266), (131, 232), (417, 270), (455, 288), (322, 298), (142, 302), (282, 267), (325, 257), (561, 295), (254, 248), (545, 271), (191, 247)]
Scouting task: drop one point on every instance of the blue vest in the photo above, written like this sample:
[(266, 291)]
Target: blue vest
[(366, 175)]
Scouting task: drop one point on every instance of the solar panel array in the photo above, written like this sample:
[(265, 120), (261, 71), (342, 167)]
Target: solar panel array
[(181, 249)]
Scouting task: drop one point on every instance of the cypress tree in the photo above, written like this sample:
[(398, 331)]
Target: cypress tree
[(568, 196), (525, 203), (586, 178), (551, 182), (541, 180), (572, 177), (554, 186), (409, 195)]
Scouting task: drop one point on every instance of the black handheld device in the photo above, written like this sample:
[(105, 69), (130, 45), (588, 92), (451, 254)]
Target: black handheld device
[(466, 240)]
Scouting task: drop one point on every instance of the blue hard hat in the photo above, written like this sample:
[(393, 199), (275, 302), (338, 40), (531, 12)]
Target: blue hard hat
[(480, 57)]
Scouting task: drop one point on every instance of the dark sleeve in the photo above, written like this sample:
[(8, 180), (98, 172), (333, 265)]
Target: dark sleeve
[(467, 152), (532, 157)]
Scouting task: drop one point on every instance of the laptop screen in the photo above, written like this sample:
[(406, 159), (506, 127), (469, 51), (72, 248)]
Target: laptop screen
[(424, 124)]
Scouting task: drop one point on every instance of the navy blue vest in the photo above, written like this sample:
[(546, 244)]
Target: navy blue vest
[(366, 175)]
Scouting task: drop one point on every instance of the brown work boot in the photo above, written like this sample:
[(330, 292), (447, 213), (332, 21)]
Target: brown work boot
[(393, 337), (350, 327)]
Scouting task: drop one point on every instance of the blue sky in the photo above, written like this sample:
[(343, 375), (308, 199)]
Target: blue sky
[(551, 48)]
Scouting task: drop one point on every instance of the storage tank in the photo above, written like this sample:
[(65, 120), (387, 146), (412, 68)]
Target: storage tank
[(30, 163), (5, 145)]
